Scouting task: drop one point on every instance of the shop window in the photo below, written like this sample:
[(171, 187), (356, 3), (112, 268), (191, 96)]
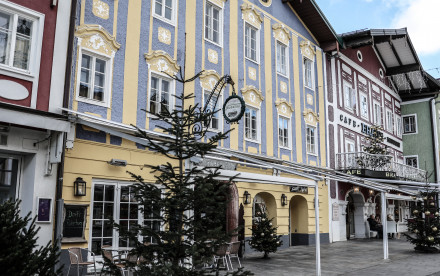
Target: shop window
[(8, 178)]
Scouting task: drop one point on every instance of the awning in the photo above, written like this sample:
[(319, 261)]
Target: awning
[(28, 117), (399, 197)]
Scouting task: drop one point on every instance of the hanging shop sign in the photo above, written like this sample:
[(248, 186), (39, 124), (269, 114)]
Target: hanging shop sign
[(370, 131), (233, 109)]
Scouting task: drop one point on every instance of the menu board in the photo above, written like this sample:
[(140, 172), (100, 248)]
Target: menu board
[(74, 221)]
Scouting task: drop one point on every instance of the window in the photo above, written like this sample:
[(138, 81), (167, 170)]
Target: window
[(390, 121), (251, 123), (118, 201), (93, 78), (251, 42), (216, 119), (308, 77), (16, 35), (164, 9), (281, 58), (377, 114), (8, 178), (283, 132), (412, 161), (399, 126), (364, 106), (160, 94), (213, 23), (348, 96), (350, 156), (409, 124), (311, 140)]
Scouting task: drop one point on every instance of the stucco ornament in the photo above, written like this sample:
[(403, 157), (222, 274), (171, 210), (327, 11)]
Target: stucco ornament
[(252, 95), (283, 87), (284, 107), (160, 61), (252, 73), (310, 117), (219, 3), (95, 37), (212, 56), (307, 50), (208, 79), (309, 99), (100, 9), (251, 15), (281, 33), (164, 35)]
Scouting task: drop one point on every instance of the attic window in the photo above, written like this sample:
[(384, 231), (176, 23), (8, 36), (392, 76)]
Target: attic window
[(359, 56), (381, 73)]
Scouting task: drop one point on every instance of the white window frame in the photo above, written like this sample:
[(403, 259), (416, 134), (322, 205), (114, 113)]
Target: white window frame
[(312, 73), (315, 140), (162, 15), (18, 189), (219, 107), (412, 157), (377, 121), (221, 18), (389, 124), (364, 96), (289, 132), (172, 90), (257, 50), (286, 58), (350, 161), (349, 100), (108, 78), (32, 73), (116, 211), (398, 126), (415, 124), (258, 123)]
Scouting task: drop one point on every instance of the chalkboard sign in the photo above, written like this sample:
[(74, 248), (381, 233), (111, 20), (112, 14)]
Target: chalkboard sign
[(74, 221)]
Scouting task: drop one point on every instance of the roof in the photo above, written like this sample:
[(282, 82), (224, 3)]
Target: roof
[(316, 22), (399, 57)]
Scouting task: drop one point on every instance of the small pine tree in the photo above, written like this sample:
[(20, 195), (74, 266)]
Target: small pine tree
[(376, 147), (264, 237), (424, 226), (19, 255)]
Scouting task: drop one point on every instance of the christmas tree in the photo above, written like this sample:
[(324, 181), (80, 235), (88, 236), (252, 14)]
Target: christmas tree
[(264, 237), (19, 254), (424, 226), (186, 200), (378, 150)]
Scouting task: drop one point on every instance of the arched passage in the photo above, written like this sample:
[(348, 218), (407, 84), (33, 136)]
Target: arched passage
[(266, 202), (299, 222), (355, 219)]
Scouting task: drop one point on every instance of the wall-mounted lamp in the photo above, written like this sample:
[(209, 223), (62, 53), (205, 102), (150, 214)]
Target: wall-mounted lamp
[(247, 197), (283, 200), (356, 189), (118, 162), (371, 192), (79, 187)]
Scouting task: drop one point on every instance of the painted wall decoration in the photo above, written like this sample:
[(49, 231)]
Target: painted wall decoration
[(161, 61), (252, 96), (100, 9), (96, 38), (310, 117), (284, 107), (164, 35), (251, 15), (252, 73), (307, 50), (212, 56), (281, 33)]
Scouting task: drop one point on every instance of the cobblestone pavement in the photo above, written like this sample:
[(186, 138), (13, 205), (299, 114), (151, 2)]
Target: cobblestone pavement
[(354, 257)]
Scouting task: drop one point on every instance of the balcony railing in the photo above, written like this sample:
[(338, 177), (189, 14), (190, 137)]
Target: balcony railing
[(366, 162)]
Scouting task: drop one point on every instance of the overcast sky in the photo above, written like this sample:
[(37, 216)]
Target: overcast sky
[(421, 17)]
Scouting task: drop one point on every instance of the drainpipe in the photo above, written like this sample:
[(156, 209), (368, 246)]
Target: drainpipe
[(60, 170), (435, 139), (317, 237)]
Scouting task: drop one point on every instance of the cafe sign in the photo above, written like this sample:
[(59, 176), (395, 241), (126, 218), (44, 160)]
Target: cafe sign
[(233, 109)]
